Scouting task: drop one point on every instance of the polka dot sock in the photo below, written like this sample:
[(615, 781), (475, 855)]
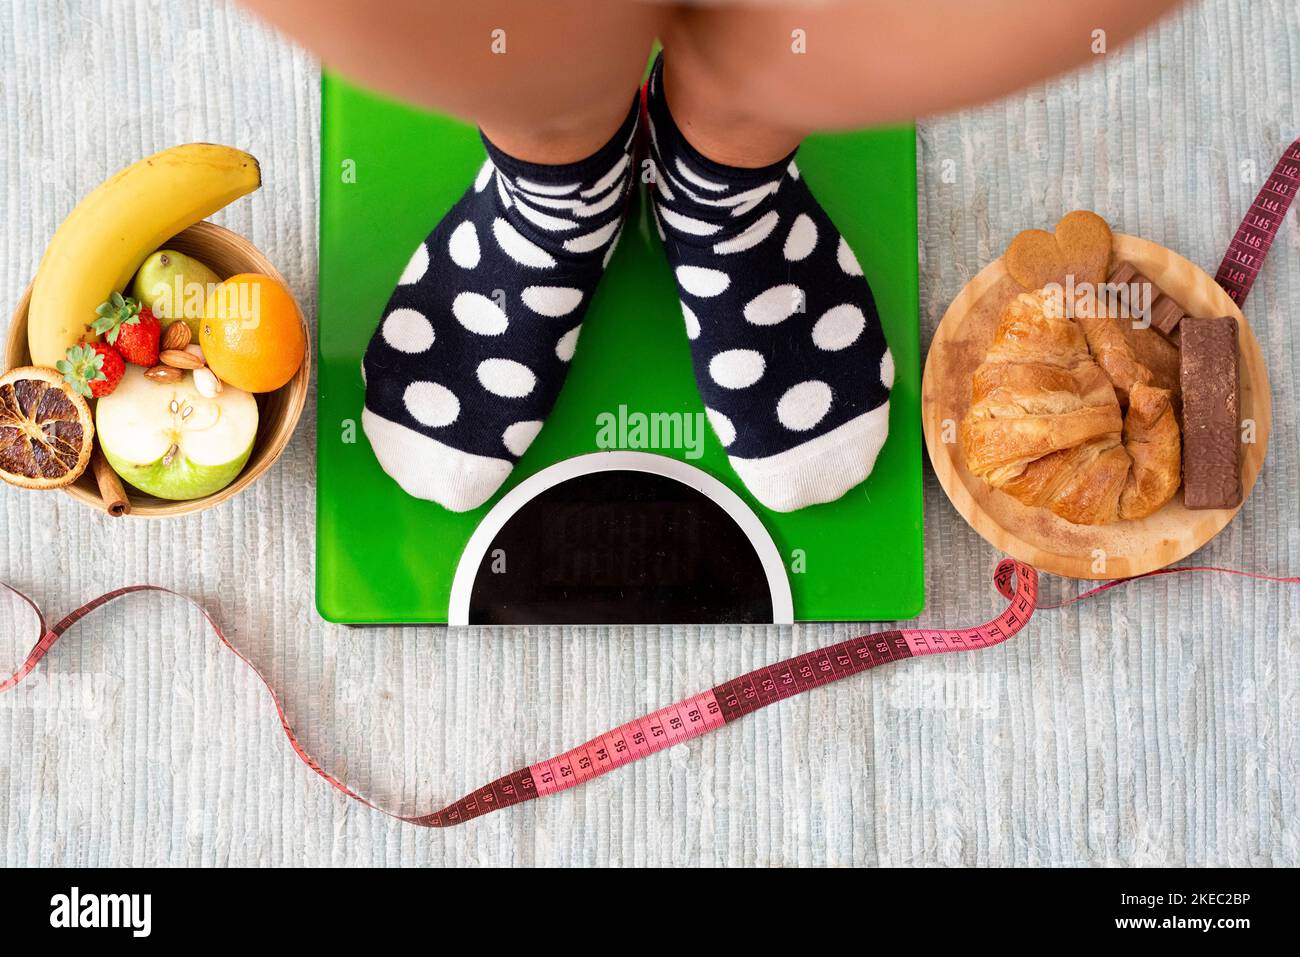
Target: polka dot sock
[(788, 351), (477, 337)]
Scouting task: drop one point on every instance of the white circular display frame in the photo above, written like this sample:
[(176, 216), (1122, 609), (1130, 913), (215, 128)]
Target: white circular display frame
[(621, 461)]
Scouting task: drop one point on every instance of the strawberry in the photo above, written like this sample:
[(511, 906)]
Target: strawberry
[(92, 368), (130, 328)]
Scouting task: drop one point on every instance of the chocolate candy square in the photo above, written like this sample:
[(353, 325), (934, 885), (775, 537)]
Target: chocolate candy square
[(1133, 302), (1164, 312), (1211, 413)]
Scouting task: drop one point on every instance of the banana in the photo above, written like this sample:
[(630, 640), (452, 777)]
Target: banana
[(113, 230)]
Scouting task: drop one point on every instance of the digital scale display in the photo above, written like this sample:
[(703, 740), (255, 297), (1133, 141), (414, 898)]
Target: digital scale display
[(620, 547)]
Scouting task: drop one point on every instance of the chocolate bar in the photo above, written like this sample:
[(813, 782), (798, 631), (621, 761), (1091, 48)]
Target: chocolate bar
[(1211, 413), (1164, 312)]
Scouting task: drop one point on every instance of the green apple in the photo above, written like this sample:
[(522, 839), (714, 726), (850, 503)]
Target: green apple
[(174, 286), (171, 442)]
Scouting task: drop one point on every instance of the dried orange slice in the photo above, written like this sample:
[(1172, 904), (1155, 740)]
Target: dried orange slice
[(46, 431)]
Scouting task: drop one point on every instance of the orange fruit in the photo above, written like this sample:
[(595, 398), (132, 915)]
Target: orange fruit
[(46, 433), (251, 333)]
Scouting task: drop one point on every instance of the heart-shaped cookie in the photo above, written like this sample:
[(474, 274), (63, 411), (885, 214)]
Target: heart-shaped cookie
[(1080, 247)]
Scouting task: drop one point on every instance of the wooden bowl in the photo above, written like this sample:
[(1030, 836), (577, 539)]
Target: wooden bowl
[(226, 253), (1036, 535)]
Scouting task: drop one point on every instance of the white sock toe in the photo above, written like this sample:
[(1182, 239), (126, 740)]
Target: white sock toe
[(821, 469), (427, 469)]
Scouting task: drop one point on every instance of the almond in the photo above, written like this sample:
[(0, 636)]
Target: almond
[(164, 374), (180, 359), (176, 336)]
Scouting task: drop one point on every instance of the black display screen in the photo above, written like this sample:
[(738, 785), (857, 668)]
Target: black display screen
[(620, 547)]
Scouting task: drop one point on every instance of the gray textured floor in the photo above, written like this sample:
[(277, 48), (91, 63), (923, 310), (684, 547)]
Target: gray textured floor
[(1154, 726)]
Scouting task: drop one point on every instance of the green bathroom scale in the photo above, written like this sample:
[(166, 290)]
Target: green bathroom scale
[(624, 509)]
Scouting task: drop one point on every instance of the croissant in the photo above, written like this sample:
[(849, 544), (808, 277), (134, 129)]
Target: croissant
[(1045, 425), (1152, 440), (1114, 353)]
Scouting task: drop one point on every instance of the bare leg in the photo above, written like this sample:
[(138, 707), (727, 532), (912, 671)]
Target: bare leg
[(549, 82), (744, 95)]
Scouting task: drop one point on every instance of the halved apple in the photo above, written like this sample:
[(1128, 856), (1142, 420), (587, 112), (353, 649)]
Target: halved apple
[(171, 442)]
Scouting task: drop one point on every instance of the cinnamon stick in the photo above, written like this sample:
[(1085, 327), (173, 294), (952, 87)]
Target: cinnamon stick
[(110, 486)]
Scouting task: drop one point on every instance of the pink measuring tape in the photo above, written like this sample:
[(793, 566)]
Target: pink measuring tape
[(1255, 235), (727, 702), (662, 729)]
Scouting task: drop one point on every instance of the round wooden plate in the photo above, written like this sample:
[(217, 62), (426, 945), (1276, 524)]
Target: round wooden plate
[(1036, 535)]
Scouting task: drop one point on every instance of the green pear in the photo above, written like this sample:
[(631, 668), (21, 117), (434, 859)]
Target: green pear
[(169, 440), (174, 286)]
